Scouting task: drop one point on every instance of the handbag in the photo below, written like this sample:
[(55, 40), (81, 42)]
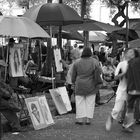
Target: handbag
[(97, 77)]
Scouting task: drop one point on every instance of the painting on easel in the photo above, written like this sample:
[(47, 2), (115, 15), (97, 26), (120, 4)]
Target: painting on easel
[(15, 62)]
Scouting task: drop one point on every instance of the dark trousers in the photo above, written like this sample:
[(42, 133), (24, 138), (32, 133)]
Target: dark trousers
[(97, 99), (136, 110), (11, 117), (0, 128)]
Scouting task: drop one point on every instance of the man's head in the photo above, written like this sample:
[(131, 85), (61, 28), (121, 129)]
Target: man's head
[(102, 50)]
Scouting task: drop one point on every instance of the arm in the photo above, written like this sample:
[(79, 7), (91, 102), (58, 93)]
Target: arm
[(74, 74), (64, 64), (121, 67)]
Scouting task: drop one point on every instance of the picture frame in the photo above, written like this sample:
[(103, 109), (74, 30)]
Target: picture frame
[(35, 113), (61, 99), (15, 60), (57, 57), (45, 110)]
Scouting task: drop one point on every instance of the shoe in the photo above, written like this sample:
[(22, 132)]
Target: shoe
[(121, 121), (128, 130), (137, 121), (87, 121), (109, 123), (79, 123), (19, 129)]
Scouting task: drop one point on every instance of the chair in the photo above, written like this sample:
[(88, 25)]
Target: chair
[(21, 94)]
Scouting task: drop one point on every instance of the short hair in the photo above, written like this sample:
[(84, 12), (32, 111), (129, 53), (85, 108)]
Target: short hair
[(86, 52)]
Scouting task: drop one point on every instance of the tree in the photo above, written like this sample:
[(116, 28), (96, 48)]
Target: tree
[(115, 4), (76, 4)]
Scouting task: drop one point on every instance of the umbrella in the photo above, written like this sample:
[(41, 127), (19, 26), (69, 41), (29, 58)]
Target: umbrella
[(53, 14), (70, 35), (97, 36), (134, 43), (91, 25), (50, 14), (121, 34), (20, 27)]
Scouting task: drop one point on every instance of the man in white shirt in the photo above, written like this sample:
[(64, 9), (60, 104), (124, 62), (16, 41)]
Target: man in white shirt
[(121, 92)]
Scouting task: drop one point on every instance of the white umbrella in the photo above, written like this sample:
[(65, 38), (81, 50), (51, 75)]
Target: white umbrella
[(20, 27), (97, 36)]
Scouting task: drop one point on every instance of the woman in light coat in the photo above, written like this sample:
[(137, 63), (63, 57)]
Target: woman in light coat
[(86, 77)]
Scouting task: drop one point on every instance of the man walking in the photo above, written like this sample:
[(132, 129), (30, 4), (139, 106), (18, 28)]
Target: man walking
[(133, 89)]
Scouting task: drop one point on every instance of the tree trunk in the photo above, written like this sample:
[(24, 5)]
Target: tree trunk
[(49, 1), (83, 14)]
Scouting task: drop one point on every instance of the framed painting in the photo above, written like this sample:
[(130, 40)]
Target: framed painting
[(35, 113), (61, 99), (45, 110), (57, 57), (16, 62)]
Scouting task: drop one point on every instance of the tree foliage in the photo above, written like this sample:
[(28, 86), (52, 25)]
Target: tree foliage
[(76, 4)]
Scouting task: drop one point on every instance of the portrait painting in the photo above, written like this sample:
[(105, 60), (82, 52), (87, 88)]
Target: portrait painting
[(35, 113), (45, 110), (15, 62)]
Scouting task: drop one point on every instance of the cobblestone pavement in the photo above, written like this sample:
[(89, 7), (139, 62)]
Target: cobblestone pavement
[(66, 129)]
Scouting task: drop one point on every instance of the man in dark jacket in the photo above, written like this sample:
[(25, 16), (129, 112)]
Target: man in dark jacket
[(7, 106), (133, 89)]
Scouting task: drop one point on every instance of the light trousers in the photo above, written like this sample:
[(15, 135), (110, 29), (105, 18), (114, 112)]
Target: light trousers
[(119, 105), (85, 106)]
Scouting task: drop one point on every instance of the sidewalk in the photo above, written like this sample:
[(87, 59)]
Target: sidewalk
[(66, 129)]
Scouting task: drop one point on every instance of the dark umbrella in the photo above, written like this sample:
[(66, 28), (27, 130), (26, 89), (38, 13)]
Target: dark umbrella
[(53, 14), (50, 14), (91, 25), (121, 34)]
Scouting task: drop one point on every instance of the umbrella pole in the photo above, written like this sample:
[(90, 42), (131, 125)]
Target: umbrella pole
[(52, 71), (7, 61), (127, 25)]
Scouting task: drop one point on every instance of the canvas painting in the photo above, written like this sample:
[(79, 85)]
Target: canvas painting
[(64, 94), (35, 113), (61, 99), (57, 56), (16, 62), (60, 106), (45, 110)]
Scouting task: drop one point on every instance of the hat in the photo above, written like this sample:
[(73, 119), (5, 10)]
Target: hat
[(2, 63)]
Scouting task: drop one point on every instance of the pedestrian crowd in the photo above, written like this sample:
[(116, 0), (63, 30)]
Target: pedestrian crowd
[(86, 72)]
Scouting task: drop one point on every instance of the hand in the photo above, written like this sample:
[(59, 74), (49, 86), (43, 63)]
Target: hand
[(116, 77)]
